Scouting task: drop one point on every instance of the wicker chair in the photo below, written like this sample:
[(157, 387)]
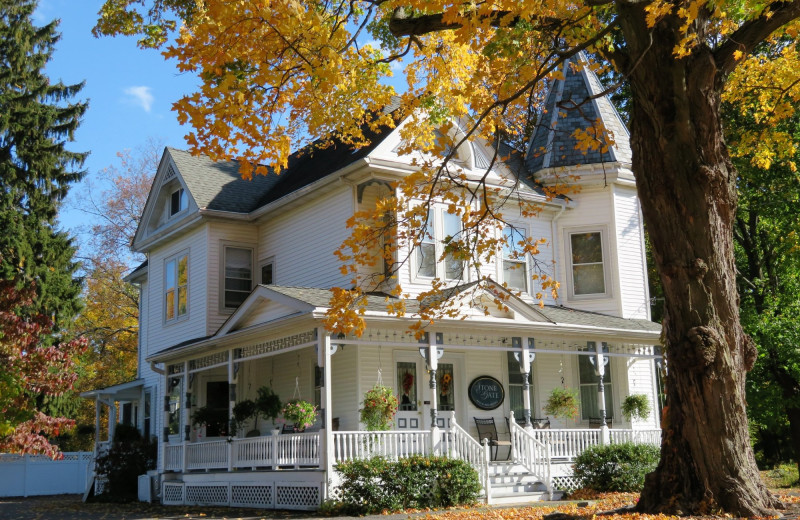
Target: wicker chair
[(488, 430)]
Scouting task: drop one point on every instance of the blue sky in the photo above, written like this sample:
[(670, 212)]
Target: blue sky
[(130, 91)]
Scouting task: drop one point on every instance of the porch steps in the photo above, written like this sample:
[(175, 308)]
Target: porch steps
[(513, 484)]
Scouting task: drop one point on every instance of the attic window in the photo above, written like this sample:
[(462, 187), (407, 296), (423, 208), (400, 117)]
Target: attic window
[(178, 201)]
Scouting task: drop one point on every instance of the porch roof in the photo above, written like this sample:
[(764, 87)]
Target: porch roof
[(122, 392), (307, 305)]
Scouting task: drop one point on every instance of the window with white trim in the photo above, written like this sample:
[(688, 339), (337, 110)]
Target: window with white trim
[(178, 201), (268, 272), (176, 286), (440, 228), (515, 265), (587, 264), (238, 275)]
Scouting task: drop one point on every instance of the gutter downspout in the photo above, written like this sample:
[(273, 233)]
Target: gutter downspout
[(553, 229)]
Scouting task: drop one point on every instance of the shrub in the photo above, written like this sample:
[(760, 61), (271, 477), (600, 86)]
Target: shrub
[(376, 485), (128, 457), (636, 406), (618, 467)]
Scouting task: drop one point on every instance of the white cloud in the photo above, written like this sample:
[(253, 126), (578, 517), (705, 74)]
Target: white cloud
[(140, 96)]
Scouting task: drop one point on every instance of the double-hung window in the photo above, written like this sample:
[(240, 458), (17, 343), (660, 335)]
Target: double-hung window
[(515, 266), (238, 275), (588, 267), (176, 284), (426, 250), (441, 228)]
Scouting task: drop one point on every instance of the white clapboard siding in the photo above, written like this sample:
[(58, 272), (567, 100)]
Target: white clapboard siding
[(641, 380), (592, 210), (344, 387), (161, 335), (630, 254), (548, 369), (220, 234), (302, 241)]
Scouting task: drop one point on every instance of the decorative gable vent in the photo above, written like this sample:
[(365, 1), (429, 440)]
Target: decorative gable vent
[(170, 173)]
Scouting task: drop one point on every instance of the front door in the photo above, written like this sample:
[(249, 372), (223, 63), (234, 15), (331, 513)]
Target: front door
[(414, 394)]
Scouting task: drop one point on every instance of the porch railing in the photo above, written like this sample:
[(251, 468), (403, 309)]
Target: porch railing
[(531, 453), (393, 445), (568, 444), (463, 446), (282, 451), (173, 457), (636, 436)]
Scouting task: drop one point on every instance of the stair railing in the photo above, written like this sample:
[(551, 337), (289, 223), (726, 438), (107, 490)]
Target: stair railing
[(531, 453), (463, 446)]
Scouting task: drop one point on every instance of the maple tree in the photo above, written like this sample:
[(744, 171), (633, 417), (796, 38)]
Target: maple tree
[(36, 361), (281, 73)]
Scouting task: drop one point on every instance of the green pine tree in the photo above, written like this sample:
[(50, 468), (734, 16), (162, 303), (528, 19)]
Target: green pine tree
[(37, 119)]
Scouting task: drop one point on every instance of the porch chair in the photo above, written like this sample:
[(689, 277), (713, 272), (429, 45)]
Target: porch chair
[(287, 428), (597, 422), (538, 423), (488, 430)]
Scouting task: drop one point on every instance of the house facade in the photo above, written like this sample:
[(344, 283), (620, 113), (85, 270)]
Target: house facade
[(237, 283)]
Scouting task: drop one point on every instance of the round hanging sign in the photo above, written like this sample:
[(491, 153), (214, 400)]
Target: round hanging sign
[(486, 392)]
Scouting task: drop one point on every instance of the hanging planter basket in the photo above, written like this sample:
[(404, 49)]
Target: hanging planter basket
[(301, 413), (379, 408)]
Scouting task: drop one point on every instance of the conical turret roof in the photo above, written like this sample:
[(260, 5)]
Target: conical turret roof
[(566, 109)]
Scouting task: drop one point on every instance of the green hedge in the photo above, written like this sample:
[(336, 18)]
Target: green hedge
[(376, 485), (617, 467)]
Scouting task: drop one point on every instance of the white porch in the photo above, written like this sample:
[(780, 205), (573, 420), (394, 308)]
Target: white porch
[(294, 356)]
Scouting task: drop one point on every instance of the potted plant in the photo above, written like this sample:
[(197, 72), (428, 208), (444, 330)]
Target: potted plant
[(214, 420), (242, 412), (379, 408), (301, 413), (636, 406), (268, 404), (562, 403)]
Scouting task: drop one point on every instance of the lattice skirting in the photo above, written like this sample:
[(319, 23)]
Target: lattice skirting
[(267, 495), (566, 483)]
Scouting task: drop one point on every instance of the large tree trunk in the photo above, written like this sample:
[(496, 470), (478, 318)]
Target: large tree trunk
[(794, 427), (687, 189)]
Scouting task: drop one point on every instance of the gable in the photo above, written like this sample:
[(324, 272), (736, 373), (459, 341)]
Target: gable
[(169, 202), (262, 306)]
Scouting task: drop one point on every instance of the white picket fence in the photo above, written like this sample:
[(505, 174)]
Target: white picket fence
[(33, 475)]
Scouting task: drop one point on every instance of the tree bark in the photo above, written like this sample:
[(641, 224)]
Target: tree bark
[(687, 188)]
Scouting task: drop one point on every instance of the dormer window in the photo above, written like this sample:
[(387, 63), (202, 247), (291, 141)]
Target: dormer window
[(178, 201)]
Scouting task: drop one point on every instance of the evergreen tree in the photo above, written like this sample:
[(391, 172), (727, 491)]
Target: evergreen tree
[(37, 119)]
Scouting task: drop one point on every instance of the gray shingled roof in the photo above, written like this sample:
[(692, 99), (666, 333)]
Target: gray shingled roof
[(219, 185), (555, 314), (322, 297), (566, 110)]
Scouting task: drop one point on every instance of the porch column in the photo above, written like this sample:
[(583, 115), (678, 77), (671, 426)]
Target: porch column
[(600, 366), (433, 364), (96, 425), (327, 450), (187, 409), (232, 378), (526, 357), (112, 419)]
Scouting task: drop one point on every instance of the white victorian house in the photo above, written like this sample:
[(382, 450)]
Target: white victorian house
[(236, 285)]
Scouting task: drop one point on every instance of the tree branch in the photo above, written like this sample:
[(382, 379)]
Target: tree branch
[(753, 32)]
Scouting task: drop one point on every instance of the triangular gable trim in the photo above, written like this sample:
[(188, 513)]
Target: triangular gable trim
[(166, 172), (258, 295)]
